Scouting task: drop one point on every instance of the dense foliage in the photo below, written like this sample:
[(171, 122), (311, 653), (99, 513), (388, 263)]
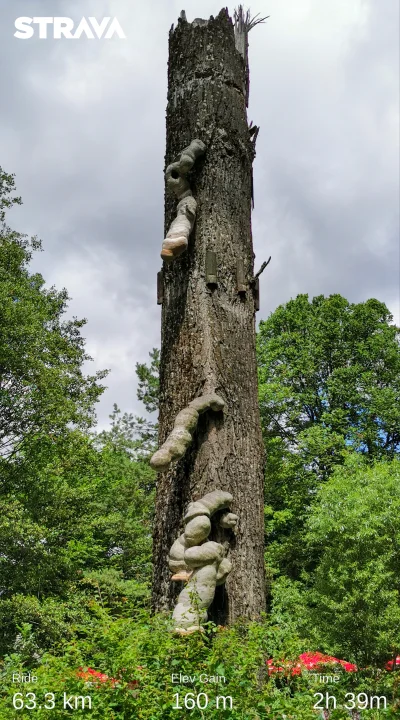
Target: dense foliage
[(354, 523), (75, 507), (139, 656), (329, 384)]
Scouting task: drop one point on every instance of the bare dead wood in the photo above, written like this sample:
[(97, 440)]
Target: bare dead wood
[(261, 270)]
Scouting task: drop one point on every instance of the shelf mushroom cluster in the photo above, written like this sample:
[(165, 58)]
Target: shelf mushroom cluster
[(202, 564), (181, 436), (177, 238)]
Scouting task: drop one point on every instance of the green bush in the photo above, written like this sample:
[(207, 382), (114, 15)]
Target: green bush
[(355, 597), (140, 655)]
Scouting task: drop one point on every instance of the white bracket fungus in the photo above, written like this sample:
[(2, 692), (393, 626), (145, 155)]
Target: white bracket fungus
[(181, 436), (177, 238), (199, 562)]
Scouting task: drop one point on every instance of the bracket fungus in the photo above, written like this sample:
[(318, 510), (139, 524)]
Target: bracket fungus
[(181, 436), (199, 562), (177, 237)]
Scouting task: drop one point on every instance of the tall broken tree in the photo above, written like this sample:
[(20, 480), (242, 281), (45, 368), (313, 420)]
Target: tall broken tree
[(209, 297)]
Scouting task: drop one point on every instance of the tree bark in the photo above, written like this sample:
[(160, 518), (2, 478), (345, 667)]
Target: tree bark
[(208, 330)]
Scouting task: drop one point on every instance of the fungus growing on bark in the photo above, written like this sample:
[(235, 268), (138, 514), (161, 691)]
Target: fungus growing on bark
[(201, 563), (176, 179), (228, 520), (181, 436)]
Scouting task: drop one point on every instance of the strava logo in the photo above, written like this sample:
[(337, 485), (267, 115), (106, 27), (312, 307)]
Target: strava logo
[(64, 27)]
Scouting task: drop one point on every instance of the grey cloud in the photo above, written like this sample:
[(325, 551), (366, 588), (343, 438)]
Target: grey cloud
[(82, 126)]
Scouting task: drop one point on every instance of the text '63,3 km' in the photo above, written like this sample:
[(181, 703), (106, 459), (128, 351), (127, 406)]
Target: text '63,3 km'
[(49, 701)]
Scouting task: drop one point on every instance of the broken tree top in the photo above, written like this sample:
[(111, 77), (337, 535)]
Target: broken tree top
[(243, 23), (176, 174), (242, 20)]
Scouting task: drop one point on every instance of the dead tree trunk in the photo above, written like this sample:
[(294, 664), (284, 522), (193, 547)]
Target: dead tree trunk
[(208, 315)]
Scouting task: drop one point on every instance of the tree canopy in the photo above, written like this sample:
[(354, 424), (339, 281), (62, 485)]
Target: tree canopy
[(329, 384), (42, 385), (75, 506), (354, 524)]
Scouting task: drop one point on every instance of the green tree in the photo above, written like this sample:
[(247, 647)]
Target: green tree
[(135, 435), (7, 198), (355, 526), (329, 384), (76, 522), (42, 386), (75, 507), (128, 503), (47, 515), (148, 392), (149, 383)]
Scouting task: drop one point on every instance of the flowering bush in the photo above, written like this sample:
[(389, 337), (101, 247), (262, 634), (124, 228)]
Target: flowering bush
[(129, 662), (309, 661), (393, 664), (91, 675), (95, 677), (316, 661)]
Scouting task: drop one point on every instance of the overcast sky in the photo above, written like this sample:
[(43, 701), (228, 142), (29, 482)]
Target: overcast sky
[(82, 127)]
